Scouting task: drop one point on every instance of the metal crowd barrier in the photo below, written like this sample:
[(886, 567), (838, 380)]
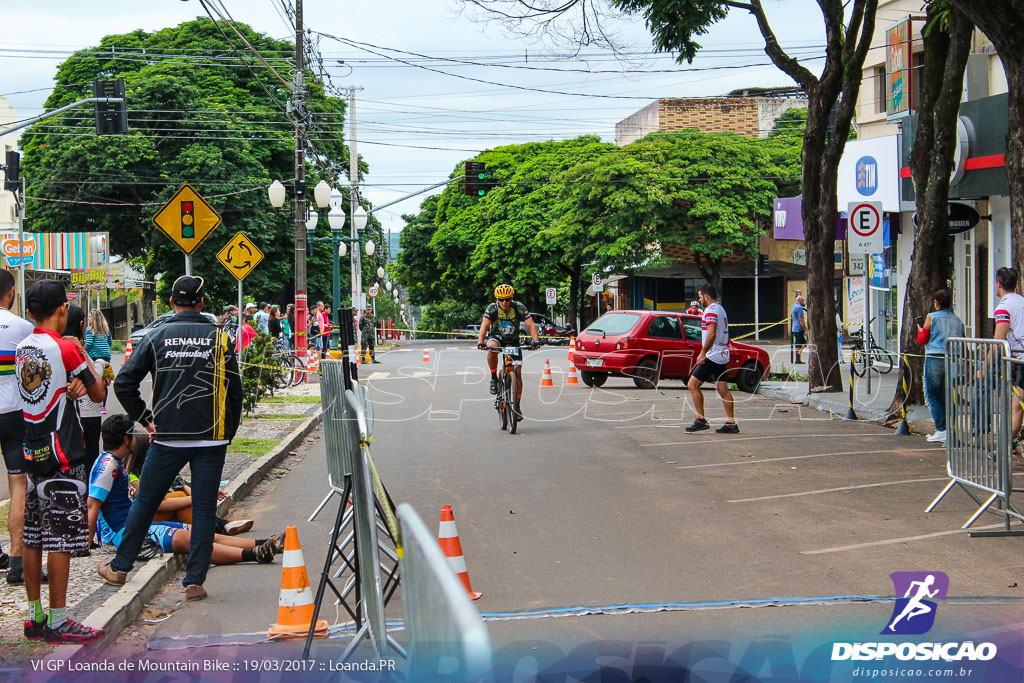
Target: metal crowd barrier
[(979, 395), (441, 622)]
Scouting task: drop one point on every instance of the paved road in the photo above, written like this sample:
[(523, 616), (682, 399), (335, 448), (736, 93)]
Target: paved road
[(603, 500)]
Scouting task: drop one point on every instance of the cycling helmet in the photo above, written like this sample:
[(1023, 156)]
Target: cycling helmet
[(504, 292)]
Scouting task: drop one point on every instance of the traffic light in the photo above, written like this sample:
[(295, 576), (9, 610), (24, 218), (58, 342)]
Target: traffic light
[(11, 166), (762, 263), (188, 220), (478, 182), (111, 119)]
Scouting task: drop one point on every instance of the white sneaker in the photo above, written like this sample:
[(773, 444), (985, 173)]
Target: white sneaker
[(937, 437)]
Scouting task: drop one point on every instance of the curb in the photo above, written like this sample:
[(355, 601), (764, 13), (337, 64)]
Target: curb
[(124, 606)]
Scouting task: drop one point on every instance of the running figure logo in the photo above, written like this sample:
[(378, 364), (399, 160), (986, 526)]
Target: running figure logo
[(914, 613)]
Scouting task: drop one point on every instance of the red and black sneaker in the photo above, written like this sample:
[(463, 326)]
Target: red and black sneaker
[(34, 629), (71, 632)]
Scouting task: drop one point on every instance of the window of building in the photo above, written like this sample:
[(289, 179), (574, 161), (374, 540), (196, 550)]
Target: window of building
[(881, 90)]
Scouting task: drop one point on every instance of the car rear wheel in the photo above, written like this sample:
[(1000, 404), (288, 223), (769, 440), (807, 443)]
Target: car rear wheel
[(749, 376), (593, 379), (645, 376)]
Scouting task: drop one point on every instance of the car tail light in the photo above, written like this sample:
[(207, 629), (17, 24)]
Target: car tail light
[(579, 345), (624, 343)]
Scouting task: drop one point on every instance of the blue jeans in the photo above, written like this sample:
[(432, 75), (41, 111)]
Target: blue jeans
[(163, 464), (935, 389)]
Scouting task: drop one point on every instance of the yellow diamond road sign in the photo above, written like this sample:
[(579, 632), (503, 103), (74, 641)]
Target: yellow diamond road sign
[(240, 255), (187, 219)]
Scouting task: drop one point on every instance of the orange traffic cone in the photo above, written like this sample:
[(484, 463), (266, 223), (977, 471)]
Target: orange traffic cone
[(426, 355), (295, 606), (546, 379), (448, 539), (572, 376), (127, 352), (572, 347)]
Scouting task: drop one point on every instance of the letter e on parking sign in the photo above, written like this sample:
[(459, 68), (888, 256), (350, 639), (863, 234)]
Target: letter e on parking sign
[(864, 235)]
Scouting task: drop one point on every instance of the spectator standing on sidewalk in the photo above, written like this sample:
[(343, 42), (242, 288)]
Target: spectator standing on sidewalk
[(939, 325), (52, 372), (799, 327), (1010, 326), (712, 363), (261, 318), (90, 413), (367, 332), (13, 330), (197, 406)]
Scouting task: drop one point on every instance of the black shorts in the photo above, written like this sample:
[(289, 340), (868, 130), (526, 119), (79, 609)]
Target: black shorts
[(1017, 376), (56, 519), (12, 441), (799, 338), (710, 371)]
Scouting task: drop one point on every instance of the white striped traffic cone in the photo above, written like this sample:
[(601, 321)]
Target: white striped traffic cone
[(295, 606), (448, 539), (127, 352), (426, 355)]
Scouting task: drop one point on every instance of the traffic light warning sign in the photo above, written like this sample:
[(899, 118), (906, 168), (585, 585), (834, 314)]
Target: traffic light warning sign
[(187, 219)]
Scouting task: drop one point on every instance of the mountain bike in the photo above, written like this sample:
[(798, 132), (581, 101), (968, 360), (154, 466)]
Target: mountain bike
[(505, 400), (292, 370), (881, 358)]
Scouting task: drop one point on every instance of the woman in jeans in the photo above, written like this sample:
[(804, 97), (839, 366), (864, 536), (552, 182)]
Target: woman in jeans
[(940, 325)]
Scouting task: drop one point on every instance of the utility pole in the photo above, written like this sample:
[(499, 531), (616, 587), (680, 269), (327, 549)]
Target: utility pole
[(353, 178), (299, 112)]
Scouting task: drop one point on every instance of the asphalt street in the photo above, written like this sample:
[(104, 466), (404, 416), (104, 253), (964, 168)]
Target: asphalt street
[(603, 500)]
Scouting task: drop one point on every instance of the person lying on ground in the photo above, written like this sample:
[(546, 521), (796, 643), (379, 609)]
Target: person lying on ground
[(109, 503)]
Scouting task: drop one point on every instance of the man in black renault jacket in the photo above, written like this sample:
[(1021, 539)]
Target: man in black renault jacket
[(197, 405)]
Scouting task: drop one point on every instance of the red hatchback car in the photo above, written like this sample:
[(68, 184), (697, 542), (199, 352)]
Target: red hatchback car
[(650, 345)]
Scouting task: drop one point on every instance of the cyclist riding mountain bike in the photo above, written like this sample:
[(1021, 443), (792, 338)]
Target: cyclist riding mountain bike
[(500, 328)]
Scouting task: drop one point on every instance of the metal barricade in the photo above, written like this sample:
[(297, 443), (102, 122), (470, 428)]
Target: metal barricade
[(979, 390), (341, 431), (440, 620)]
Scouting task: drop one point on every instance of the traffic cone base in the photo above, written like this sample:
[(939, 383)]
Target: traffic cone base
[(295, 605), (572, 376), (546, 379), (448, 539)]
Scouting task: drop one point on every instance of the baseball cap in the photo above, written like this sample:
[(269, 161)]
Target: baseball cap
[(250, 305), (188, 290), (44, 296)]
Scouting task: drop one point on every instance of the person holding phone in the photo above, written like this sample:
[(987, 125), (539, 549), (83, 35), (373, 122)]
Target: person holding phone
[(933, 331)]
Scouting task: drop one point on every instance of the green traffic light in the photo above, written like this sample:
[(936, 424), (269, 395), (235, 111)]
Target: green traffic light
[(481, 192), (481, 176)]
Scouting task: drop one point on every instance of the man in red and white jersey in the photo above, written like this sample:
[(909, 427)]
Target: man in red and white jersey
[(712, 363), (1010, 326), (51, 373)]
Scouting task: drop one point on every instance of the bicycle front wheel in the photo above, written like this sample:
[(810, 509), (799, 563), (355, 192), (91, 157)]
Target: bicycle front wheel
[(881, 360), (510, 413), (860, 361), (499, 405)]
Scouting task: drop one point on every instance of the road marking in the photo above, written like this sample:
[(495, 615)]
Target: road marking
[(378, 375), (722, 440), (905, 539), (841, 488), (422, 373), (753, 461)]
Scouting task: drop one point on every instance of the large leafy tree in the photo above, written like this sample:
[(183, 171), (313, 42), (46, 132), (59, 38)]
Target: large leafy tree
[(196, 114), (677, 25)]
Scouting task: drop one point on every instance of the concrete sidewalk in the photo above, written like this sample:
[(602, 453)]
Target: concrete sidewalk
[(872, 406)]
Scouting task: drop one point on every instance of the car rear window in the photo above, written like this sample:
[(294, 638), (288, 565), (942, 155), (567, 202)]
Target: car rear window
[(613, 323)]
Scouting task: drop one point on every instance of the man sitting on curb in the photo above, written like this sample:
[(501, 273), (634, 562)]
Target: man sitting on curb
[(109, 505)]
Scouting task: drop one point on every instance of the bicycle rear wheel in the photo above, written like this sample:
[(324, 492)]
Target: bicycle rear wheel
[(859, 360), (297, 371)]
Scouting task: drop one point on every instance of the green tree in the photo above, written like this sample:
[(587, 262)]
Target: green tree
[(676, 26), (196, 114)]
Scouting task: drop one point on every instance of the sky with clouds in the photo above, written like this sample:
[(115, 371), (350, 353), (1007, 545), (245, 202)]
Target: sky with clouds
[(418, 118)]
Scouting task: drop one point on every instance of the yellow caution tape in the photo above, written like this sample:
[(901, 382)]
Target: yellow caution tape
[(385, 502)]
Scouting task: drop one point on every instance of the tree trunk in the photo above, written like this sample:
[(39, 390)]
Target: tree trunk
[(711, 269), (1003, 22), (931, 161), (574, 295)]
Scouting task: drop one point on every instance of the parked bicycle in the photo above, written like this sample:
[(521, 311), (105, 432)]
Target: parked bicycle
[(881, 358), (292, 369)]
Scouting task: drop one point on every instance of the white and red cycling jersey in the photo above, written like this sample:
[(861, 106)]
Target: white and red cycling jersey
[(1011, 310)]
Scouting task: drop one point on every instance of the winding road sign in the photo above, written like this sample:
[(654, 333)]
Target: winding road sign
[(240, 255)]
